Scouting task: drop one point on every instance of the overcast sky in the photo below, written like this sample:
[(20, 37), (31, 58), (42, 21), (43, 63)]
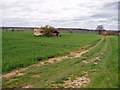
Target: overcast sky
[(60, 13)]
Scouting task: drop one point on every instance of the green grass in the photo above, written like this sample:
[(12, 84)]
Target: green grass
[(102, 75), (21, 49), (105, 74)]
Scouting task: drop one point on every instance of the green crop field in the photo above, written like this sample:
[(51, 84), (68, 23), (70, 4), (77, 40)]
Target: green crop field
[(22, 49)]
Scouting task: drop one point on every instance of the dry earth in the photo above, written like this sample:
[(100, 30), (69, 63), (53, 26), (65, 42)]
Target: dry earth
[(77, 83)]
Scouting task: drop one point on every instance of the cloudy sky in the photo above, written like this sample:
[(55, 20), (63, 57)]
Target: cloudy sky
[(60, 13)]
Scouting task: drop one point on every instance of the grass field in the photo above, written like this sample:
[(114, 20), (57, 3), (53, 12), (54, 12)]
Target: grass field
[(21, 49)]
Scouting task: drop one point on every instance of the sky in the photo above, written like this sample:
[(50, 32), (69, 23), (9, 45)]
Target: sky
[(60, 13)]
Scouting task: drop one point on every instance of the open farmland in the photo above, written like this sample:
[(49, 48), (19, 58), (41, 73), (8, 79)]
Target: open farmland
[(21, 49), (88, 60)]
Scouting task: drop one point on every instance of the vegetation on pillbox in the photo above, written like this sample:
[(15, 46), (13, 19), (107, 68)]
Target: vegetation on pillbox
[(48, 30)]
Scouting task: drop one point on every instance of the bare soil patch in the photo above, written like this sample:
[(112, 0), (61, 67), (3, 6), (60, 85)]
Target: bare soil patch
[(16, 73), (36, 75), (92, 60), (28, 86), (85, 61), (77, 83), (20, 74)]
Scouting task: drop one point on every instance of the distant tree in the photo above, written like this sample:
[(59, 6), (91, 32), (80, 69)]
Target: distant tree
[(48, 30), (100, 28)]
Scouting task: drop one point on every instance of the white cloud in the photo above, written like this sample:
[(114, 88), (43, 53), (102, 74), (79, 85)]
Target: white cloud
[(60, 13)]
